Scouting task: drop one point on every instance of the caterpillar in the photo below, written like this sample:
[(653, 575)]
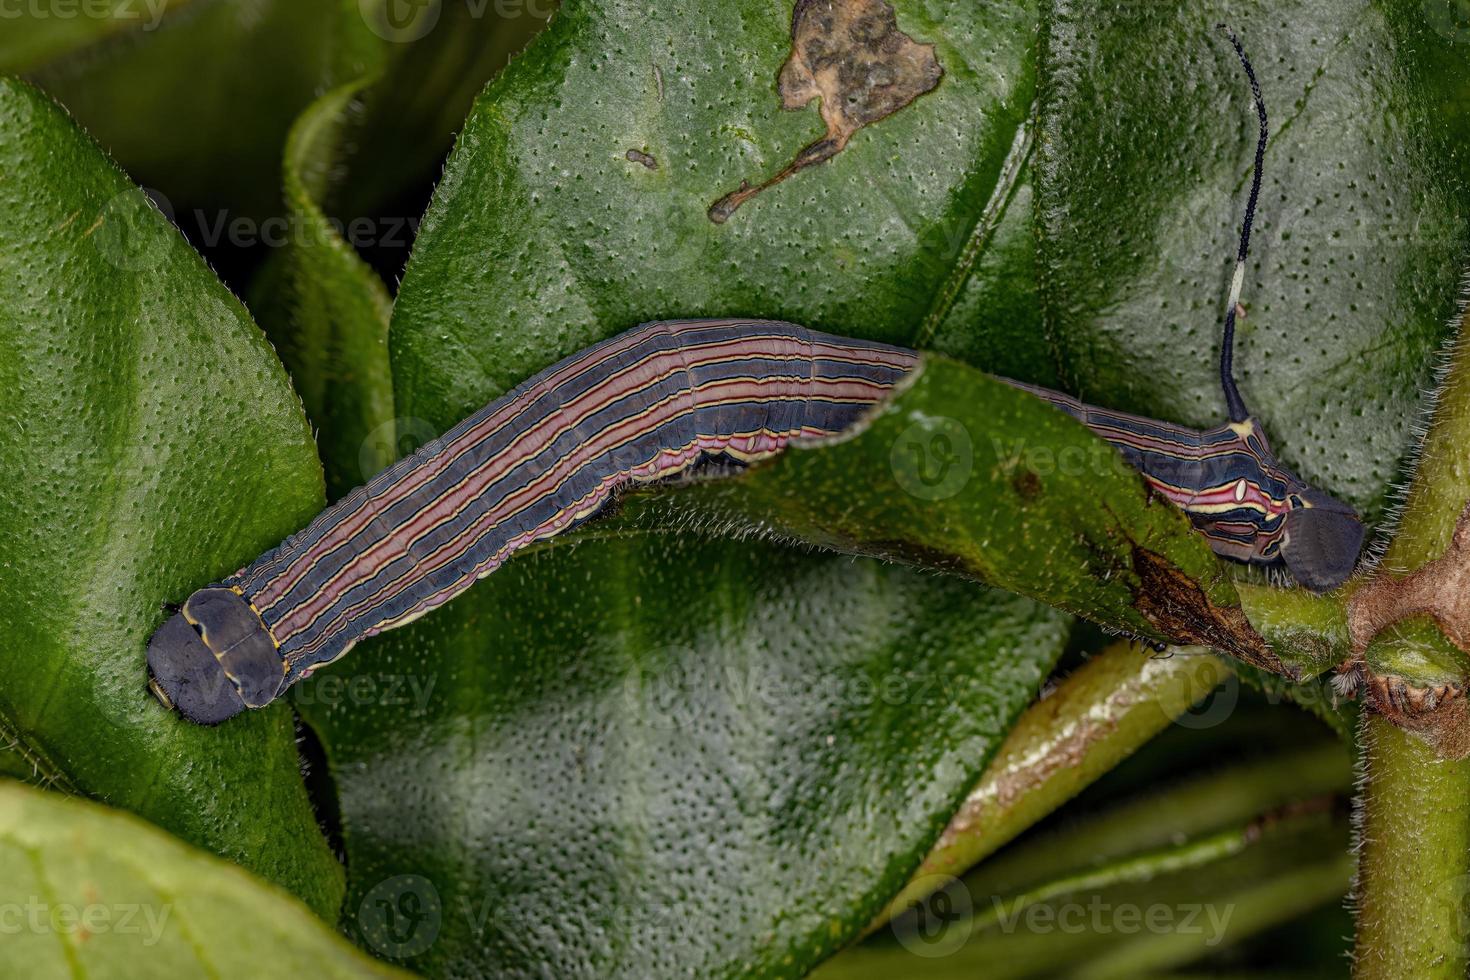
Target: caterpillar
[(643, 406)]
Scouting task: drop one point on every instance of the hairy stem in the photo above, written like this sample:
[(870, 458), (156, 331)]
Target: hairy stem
[(1414, 849), (1308, 632), (1413, 888)]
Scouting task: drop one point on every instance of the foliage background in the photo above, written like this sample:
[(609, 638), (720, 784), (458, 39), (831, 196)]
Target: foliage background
[(688, 742)]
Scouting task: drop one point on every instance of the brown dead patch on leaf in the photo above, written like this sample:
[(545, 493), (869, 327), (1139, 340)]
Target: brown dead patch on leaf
[(852, 56), (1179, 608), (639, 157), (1439, 589), (1439, 714), (1027, 484)]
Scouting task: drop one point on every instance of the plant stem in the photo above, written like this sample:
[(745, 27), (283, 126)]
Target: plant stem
[(1413, 888), (1308, 632), (1145, 867), (1256, 909), (1097, 717), (1191, 809), (1414, 811)]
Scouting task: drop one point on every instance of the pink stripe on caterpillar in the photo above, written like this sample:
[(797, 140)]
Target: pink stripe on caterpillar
[(352, 522), (403, 537)]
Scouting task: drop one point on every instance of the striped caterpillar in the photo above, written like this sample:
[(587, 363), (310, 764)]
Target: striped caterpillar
[(641, 407)]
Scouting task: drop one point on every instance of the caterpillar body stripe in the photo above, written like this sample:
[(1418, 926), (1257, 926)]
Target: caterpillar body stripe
[(644, 406)]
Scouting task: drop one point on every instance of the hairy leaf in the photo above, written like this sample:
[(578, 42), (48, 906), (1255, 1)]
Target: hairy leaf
[(152, 445), (629, 168)]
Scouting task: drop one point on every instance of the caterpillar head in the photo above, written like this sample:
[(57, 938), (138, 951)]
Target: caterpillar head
[(213, 659), (1322, 540)]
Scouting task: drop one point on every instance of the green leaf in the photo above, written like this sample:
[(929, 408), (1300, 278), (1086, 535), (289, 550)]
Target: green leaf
[(577, 663), (1162, 833), (93, 892), (1189, 809), (577, 204), (153, 445), (317, 298), (1002, 527), (668, 755), (1147, 137), (159, 86), (1154, 905), (429, 80), (1091, 720), (988, 312), (326, 310), (545, 236)]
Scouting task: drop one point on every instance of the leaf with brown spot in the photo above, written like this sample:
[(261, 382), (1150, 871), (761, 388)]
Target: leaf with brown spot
[(1179, 608), (936, 229), (1104, 548), (851, 55)]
